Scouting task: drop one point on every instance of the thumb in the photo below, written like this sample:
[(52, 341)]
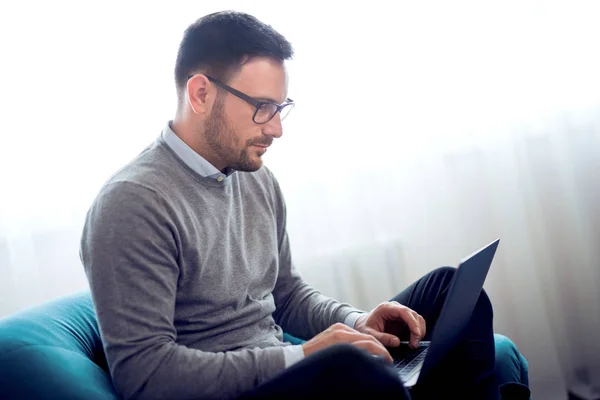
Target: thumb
[(385, 339)]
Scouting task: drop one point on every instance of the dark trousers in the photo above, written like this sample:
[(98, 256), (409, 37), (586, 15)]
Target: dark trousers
[(467, 372)]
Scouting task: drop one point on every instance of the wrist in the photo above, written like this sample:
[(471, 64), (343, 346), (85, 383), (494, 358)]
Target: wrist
[(351, 318), (361, 322)]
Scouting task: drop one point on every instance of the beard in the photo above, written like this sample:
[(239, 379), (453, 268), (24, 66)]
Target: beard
[(223, 141)]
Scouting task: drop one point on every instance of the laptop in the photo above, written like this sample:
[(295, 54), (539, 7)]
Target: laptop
[(461, 298)]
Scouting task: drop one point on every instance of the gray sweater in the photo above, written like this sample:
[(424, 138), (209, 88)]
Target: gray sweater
[(192, 280)]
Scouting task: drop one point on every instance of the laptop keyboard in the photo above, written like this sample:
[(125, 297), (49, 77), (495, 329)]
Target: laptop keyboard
[(410, 361)]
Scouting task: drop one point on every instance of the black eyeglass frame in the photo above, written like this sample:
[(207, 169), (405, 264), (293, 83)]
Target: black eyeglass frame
[(250, 100)]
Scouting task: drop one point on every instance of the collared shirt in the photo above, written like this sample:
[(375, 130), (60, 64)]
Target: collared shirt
[(192, 159)]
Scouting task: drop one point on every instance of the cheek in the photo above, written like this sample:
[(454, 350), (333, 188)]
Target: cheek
[(242, 132), (240, 126)]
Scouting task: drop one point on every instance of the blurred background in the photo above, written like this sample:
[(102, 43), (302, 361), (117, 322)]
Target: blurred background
[(422, 132)]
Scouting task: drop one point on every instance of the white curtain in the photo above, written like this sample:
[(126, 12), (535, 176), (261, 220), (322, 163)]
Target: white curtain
[(422, 131)]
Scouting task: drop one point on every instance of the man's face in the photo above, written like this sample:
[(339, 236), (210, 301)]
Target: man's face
[(236, 141)]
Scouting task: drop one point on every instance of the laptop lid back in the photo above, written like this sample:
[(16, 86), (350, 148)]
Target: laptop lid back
[(463, 293)]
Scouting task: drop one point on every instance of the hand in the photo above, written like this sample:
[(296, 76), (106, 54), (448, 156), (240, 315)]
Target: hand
[(340, 333), (391, 320)]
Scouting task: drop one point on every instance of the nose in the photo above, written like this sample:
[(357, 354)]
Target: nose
[(273, 128)]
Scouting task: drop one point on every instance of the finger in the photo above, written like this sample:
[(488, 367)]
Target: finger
[(385, 339), (397, 311), (415, 331), (334, 328), (339, 326), (374, 348), (423, 325), (342, 336), (412, 321)]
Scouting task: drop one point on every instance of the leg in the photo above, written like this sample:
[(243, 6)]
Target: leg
[(468, 370), (338, 371), (512, 370)]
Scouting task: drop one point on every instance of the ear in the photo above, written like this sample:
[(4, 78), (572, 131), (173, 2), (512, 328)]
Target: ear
[(200, 93)]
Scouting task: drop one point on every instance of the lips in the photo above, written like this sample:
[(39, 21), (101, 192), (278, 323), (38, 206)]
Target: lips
[(260, 148)]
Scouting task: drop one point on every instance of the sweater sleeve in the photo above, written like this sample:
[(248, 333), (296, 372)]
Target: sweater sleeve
[(301, 310), (129, 249)]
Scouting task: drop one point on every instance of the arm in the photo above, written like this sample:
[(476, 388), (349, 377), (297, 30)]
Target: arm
[(301, 310), (129, 250)]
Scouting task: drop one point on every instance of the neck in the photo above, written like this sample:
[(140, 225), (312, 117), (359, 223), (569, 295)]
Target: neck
[(184, 128)]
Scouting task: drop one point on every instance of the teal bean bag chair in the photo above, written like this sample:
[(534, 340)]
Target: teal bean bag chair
[(54, 351)]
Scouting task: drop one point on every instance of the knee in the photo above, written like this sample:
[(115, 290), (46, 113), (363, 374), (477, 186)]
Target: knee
[(511, 366), (367, 374), (345, 353), (351, 359), (444, 271), (443, 275), (348, 360), (484, 303), (447, 273)]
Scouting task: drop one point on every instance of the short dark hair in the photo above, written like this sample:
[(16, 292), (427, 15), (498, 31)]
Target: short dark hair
[(219, 43)]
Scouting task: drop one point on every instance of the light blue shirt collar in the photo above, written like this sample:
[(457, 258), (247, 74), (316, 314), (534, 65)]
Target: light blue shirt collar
[(192, 159)]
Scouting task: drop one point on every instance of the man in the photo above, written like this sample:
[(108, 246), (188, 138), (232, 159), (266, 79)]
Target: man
[(189, 263)]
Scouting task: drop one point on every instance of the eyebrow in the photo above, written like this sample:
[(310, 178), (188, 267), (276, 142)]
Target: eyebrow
[(269, 99)]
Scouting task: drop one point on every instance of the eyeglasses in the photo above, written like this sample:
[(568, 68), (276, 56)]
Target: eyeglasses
[(265, 110)]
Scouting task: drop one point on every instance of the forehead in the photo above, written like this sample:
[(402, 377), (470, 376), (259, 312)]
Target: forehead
[(262, 78)]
